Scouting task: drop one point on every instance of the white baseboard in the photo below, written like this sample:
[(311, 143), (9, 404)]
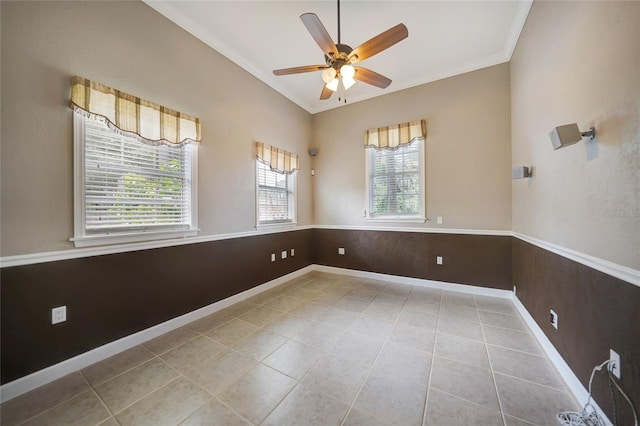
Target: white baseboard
[(572, 381), (39, 378), (419, 282)]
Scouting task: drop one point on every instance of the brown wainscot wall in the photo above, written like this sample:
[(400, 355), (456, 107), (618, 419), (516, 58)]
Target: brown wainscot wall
[(111, 296), (596, 312)]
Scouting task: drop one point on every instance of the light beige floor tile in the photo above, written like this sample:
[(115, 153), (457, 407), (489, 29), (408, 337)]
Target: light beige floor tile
[(418, 319), (127, 388), (84, 409), (215, 413), (256, 393), (446, 410), (287, 325), (461, 328), (425, 294), (399, 401), (495, 304), (512, 421), (300, 292), (166, 406), (412, 336), (192, 352), (403, 362), (501, 320), (285, 303), (397, 289), (294, 359), (232, 331), (170, 340), (422, 306), (338, 317), (390, 299), (309, 310), (260, 315), (304, 406), (459, 299), (210, 322), (463, 350), (364, 293), (218, 372), (260, 344), (119, 363), (511, 339), (470, 383), (382, 311), (372, 327), (336, 377), (456, 312), (532, 402), (319, 335), (358, 418), (351, 304), (34, 402), (358, 348), (326, 297), (109, 422), (525, 366)]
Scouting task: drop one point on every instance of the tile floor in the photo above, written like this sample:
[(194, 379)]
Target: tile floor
[(321, 349)]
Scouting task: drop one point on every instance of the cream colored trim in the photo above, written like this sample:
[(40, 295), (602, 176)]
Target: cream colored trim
[(496, 232), (624, 273), (52, 256)]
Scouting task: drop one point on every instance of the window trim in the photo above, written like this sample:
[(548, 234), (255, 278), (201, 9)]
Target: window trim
[(420, 217), (82, 239), (293, 204)]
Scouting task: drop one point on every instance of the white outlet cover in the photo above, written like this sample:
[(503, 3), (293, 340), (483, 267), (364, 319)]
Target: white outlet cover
[(439, 260), (293, 252), (283, 254), (614, 365), (439, 220), (341, 250), (273, 257), (58, 314), (553, 318)]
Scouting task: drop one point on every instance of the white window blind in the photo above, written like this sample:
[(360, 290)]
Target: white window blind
[(132, 187), (276, 195), (395, 181)]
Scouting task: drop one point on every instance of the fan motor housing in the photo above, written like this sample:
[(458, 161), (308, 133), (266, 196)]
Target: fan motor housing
[(343, 56)]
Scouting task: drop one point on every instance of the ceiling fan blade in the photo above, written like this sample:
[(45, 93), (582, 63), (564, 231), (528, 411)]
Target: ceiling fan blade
[(298, 70), (319, 33), (379, 43), (326, 93), (371, 77)]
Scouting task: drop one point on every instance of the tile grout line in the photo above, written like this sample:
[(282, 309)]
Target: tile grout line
[(104, 404), (433, 357), (493, 374)]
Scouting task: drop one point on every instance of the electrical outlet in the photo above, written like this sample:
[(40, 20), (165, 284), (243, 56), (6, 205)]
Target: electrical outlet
[(514, 290), (273, 257), (439, 220), (58, 314), (614, 364), (341, 251), (553, 318), (293, 252), (283, 255), (439, 260)]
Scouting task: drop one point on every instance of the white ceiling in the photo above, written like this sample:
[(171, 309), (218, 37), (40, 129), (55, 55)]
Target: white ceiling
[(446, 38)]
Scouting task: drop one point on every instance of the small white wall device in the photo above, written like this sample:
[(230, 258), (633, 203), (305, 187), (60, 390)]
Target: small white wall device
[(520, 172), (569, 134)]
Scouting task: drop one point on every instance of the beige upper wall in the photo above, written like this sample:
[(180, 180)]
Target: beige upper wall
[(579, 62), (468, 152), (129, 46)]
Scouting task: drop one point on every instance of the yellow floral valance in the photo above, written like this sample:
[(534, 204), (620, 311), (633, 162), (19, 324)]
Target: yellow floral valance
[(131, 116), (279, 160), (392, 137)]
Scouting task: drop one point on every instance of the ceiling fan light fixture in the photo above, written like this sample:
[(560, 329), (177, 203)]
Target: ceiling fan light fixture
[(328, 75), (347, 82), (347, 72), (333, 84)]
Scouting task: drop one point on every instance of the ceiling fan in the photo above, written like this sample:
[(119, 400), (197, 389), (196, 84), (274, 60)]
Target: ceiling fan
[(339, 58)]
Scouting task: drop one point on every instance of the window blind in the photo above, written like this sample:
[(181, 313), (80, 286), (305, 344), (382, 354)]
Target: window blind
[(274, 195), (134, 186), (394, 180)]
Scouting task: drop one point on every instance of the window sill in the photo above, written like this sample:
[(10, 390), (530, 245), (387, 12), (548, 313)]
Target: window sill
[(397, 219), (133, 237), (276, 226)]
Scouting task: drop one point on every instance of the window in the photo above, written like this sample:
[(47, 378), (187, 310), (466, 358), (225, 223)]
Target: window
[(276, 196), (126, 190), (395, 182)]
